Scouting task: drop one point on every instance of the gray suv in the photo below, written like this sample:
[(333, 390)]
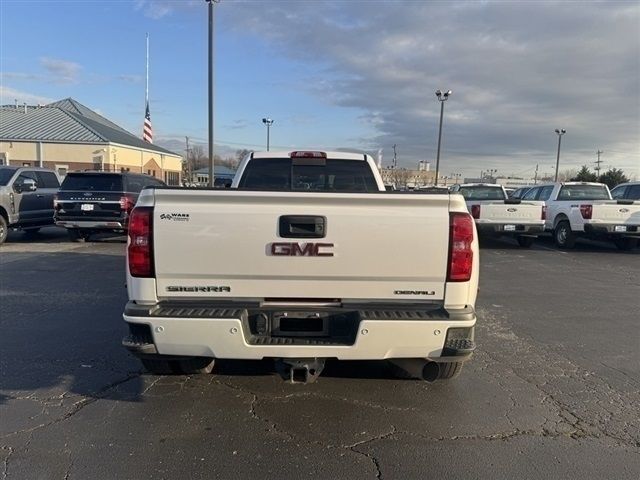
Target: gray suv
[(26, 198)]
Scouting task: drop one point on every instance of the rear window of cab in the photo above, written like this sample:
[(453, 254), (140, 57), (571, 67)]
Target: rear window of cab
[(319, 175)]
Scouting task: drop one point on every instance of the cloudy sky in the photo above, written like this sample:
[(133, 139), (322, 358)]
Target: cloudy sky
[(350, 74)]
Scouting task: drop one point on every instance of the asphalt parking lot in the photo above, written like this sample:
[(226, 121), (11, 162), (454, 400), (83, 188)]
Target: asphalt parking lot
[(553, 391)]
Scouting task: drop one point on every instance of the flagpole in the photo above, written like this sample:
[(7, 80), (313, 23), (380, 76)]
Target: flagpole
[(146, 87)]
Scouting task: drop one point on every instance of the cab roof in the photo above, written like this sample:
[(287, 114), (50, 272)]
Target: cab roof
[(329, 154)]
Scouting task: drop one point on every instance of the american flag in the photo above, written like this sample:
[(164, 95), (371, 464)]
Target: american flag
[(147, 131)]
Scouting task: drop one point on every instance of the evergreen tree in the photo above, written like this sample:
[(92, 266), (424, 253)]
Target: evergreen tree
[(613, 177), (585, 175)]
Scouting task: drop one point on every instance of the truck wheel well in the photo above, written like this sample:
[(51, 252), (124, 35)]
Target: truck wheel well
[(4, 214), (559, 219)]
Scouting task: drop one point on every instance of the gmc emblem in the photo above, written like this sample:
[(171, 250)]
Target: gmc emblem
[(295, 249)]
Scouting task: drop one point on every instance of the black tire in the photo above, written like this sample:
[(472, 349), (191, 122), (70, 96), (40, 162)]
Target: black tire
[(4, 229), (157, 367), (525, 242), (77, 235), (32, 232), (449, 370), (625, 244), (183, 366), (195, 365), (563, 236)]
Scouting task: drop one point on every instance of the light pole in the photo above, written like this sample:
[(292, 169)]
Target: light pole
[(211, 64), (560, 133), (268, 122), (442, 97)]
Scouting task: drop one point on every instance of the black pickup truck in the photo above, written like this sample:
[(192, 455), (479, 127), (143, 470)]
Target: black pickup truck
[(91, 202)]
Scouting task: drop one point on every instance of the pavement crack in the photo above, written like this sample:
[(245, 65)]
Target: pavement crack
[(271, 426), (77, 406), (150, 386), (67, 473), (376, 463), (5, 464)]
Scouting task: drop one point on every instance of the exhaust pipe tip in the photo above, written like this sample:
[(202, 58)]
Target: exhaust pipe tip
[(430, 372), (418, 368)]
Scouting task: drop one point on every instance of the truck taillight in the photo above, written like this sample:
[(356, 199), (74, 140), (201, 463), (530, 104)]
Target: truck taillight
[(586, 211), (543, 215), (475, 211), (460, 251), (140, 250), (127, 203)]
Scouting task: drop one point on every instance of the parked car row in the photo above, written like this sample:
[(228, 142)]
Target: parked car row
[(85, 203), (568, 210), (90, 202)]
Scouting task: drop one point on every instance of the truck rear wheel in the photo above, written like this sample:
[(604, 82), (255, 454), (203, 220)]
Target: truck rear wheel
[(194, 365), (449, 370), (419, 369), (563, 235), (626, 243), (525, 242), (182, 366), (4, 229), (157, 367), (77, 235)]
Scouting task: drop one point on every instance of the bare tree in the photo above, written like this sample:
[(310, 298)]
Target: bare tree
[(240, 154), (568, 174)]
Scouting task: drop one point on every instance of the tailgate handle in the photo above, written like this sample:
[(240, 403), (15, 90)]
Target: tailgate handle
[(302, 226)]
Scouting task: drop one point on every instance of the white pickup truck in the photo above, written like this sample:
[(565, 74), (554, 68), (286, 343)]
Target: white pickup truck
[(583, 209), (305, 258), (496, 214)]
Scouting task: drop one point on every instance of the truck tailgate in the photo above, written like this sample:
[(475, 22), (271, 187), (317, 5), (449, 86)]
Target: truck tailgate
[(613, 212), (516, 213), (220, 244)]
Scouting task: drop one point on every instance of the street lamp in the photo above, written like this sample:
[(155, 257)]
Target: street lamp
[(560, 133), (268, 122), (442, 97), (211, 64)]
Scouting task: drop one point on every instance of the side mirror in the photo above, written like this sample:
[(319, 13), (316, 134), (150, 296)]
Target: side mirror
[(27, 185)]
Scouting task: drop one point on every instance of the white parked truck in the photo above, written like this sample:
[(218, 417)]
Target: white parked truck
[(305, 258), (584, 209), (496, 214)]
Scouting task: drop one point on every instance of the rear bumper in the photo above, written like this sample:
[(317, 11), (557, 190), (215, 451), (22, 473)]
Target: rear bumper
[(614, 230), (509, 228), (224, 333), (93, 224)]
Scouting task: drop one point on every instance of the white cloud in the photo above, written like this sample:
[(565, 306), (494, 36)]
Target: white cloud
[(61, 71), (129, 78), (9, 95), (518, 71), (157, 9)]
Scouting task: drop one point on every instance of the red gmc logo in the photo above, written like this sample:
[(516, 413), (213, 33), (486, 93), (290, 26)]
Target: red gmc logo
[(295, 249)]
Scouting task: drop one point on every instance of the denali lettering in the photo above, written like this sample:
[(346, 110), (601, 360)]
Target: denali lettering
[(414, 292), (295, 249), (198, 289)]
